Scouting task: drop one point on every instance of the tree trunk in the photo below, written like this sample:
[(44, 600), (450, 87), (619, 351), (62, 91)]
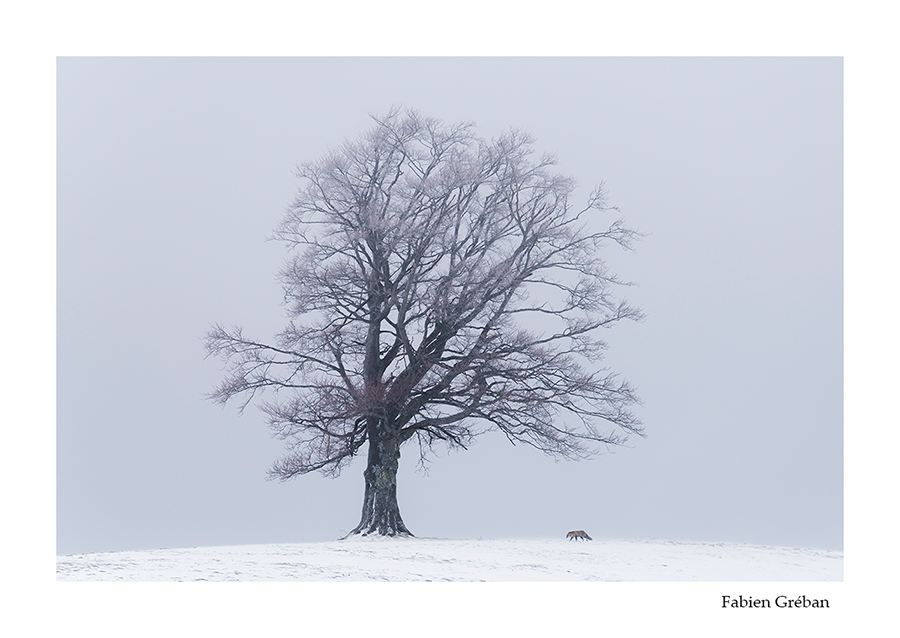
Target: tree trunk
[(380, 513)]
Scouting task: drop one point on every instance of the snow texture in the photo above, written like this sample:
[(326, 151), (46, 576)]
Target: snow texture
[(431, 559)]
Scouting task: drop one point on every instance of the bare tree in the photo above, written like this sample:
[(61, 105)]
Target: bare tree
[(441, 285)]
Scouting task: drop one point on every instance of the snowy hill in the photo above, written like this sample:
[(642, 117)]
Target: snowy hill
[(431, 559)]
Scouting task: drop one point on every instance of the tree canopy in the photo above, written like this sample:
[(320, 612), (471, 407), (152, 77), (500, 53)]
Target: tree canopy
[(439, 285)]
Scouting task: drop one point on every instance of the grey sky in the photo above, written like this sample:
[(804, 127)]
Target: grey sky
[(172, 173)]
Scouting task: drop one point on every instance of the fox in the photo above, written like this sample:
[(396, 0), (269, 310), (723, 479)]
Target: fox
[(579, 534)]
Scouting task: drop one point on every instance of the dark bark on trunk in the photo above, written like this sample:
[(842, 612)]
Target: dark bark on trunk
[(380, 513)]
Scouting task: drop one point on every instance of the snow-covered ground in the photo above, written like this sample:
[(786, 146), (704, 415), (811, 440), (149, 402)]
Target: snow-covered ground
[(432, 559)]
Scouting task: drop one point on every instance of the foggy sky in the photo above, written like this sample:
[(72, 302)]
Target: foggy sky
[(173, 172)]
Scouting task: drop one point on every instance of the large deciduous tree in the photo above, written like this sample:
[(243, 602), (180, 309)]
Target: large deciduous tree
[(440, 286)]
